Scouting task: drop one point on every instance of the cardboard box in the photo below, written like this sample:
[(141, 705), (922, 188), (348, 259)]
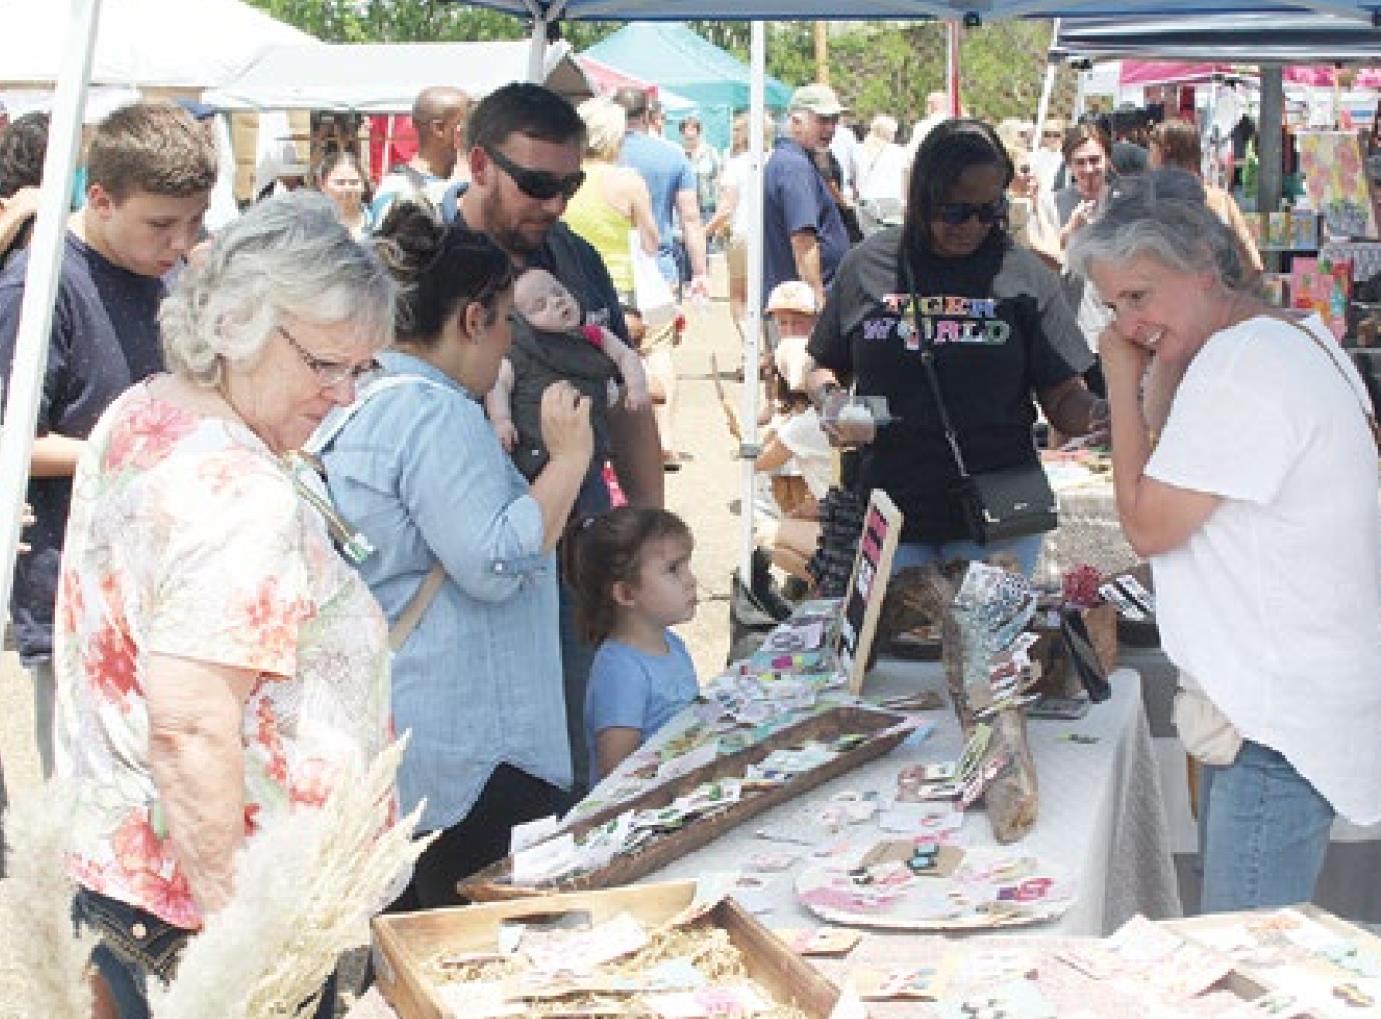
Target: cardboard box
[(404, 942)]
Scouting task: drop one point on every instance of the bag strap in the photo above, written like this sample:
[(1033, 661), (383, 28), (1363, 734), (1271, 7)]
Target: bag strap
[(416, 607), (1371, 418), (928, 363)]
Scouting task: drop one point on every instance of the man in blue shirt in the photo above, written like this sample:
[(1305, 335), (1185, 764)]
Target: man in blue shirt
[(524, 166), (150, 170), (671, 182), (803, 234)]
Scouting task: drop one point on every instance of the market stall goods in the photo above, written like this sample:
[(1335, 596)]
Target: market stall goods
[(653, 951)]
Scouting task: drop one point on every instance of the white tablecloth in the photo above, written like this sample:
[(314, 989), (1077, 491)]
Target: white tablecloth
[(1101, 811)]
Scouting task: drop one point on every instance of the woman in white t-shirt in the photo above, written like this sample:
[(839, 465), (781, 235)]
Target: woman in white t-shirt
[(733, 211), (1257, 509)]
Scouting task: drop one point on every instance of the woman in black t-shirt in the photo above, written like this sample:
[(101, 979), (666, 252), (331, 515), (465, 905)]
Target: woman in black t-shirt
[(1003, 337)]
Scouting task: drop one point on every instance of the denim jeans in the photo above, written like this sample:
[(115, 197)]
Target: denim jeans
[(135, 945), (1263, 832), (918, 553)]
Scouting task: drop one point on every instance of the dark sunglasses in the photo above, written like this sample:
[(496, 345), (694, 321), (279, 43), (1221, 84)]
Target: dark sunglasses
[(959, 213), (538, 184)]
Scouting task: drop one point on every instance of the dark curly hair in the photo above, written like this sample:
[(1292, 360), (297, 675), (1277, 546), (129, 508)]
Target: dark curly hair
[(604, 550), (443, 269), (23, 146)]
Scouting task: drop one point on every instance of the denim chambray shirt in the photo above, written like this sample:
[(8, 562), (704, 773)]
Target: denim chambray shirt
[(419, 471)]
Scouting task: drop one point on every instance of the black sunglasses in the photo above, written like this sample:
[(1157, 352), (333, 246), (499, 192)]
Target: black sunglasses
[(959, 213), (538, 184)]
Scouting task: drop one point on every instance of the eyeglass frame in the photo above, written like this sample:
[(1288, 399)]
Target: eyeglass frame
[(331, 374), (988, 213), (544, 181)]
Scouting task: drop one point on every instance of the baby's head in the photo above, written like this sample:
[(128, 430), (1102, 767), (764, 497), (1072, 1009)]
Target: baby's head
[(545, 303)]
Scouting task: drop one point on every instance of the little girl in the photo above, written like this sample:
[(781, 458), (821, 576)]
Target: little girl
[(631, 572)]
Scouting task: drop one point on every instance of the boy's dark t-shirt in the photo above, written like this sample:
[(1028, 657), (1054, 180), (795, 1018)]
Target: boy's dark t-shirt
[(104, 338)]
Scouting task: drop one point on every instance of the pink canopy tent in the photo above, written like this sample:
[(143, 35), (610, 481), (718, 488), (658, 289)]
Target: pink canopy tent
[(1161, 72)]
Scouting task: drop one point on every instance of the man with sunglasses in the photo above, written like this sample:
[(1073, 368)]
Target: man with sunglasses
[(438, 114), (527, 145)]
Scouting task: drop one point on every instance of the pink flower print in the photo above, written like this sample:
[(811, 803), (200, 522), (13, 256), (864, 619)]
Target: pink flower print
[(272, 622), (311, 783), (169, 898), (145, 434), (71, 600), (109, 663)]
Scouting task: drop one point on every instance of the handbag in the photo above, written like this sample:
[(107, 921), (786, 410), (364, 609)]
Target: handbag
[(1012, 502)]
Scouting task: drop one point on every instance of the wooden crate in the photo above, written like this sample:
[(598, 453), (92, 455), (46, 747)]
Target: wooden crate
[(886, 729), (403, 943)]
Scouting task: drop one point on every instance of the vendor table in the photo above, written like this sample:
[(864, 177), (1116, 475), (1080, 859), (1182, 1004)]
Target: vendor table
[(1101, 811)]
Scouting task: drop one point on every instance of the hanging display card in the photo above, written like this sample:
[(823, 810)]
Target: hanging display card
[(867, 587), (1335, 177)]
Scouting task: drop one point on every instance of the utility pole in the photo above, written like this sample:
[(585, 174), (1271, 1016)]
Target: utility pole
[(822, 53)]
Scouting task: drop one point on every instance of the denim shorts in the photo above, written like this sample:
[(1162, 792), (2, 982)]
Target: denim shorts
[(135, 945)]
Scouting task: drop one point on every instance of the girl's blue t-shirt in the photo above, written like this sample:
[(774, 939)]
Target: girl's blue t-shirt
[(631, 689)]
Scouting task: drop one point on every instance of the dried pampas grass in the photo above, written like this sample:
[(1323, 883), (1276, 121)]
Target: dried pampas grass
[(43, 969), (305, 888)]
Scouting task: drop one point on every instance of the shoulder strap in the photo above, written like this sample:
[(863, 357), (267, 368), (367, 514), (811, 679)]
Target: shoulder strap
[(1371, 418), (928, 362), (416, 607)]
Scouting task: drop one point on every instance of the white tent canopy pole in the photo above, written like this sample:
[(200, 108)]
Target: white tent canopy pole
[(1047, 90), (752, 314), (41, 280)]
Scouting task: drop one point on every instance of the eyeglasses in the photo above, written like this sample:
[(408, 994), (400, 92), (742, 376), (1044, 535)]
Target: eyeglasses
[(539, 184), (332, 373), (959, 213), (1057, 133)]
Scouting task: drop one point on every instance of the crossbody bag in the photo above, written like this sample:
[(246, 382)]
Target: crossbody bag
[(1009, 503)]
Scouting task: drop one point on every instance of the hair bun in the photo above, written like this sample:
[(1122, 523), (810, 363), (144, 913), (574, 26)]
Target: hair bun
[(410, 238)]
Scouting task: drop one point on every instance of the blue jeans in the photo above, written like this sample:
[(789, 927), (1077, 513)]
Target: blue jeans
[(918, 553), (1263, 831), (135, 945)]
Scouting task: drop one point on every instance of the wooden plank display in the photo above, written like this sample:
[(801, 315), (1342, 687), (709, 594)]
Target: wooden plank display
[(882, 731), (405, 943), (863, 598)]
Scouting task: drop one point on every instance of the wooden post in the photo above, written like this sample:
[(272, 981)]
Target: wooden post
[(822, 53)]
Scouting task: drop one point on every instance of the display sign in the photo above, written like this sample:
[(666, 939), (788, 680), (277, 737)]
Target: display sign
[(867, 587), (1335, 177)]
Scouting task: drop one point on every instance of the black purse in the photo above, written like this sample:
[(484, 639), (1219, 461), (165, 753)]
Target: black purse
[(1009, 503)]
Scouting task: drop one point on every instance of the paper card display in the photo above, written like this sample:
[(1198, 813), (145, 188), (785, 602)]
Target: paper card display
[(867, 588)]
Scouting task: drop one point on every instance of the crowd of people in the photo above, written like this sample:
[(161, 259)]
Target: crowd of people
[(386, 457)]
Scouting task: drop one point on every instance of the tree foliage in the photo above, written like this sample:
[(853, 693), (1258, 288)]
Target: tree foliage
[(877, 67)]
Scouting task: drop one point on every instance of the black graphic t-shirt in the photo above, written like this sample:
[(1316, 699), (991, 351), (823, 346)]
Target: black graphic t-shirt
[(1001, 331)]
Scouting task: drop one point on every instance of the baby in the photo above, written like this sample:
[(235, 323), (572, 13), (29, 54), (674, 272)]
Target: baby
[(556, 346)]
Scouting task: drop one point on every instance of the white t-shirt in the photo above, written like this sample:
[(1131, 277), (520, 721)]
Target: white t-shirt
[(881, 173), (1273, 605), (810, 449), (737, 174)]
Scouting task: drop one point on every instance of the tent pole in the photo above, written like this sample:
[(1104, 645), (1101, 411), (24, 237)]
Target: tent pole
[(41, 279), (752, 313), (537, 50), (1270, 133), (952, 38), (1048, 88)]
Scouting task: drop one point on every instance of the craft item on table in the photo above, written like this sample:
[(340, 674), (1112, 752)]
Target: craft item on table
[(1016, 999), (1079, 586), (854, 638), (523, 836), (1134, 590), (753, 892), (994, 762), (988, 888), (925, 700), (917, 782), (923, 982), (828, 941), (1126, 607), (792, 636), (771, 863), (580, 951), (731, 1000), (546, 861), (846, 808), (1271, 1005), (936, 820)]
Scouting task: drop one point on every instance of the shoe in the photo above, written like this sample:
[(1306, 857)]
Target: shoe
[(764, 588)]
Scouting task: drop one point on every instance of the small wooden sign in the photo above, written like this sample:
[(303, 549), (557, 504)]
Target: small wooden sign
[(867, 588)]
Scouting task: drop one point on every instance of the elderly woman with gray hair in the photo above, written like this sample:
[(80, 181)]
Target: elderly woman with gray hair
[(217, 661), (1252, 489)]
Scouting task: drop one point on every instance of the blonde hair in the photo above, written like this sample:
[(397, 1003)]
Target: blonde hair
[(739, 134), (605, 125)]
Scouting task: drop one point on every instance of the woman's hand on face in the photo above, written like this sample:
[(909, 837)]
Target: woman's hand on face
[(566, 423), (1121, 356)]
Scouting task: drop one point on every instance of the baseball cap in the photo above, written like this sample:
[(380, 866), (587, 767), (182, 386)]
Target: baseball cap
[(817, 99), (793, 295)]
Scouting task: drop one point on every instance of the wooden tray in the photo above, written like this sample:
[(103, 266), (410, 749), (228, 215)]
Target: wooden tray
[(886, 729), (403, 942)]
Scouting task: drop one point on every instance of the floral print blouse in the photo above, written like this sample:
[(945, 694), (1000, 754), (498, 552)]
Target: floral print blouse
[(187, 538)]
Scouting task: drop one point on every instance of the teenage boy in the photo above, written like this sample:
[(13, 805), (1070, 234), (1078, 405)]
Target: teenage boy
[(150, 170)]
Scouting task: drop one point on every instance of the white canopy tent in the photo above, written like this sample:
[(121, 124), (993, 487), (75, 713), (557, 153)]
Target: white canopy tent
[(147, 43), (385, 77)]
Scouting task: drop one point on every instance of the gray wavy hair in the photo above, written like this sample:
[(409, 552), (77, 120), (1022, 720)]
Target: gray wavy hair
[(1159, 215), (288, 255)]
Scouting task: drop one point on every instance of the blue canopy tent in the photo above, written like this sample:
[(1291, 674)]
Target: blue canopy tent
[(670, 54)]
